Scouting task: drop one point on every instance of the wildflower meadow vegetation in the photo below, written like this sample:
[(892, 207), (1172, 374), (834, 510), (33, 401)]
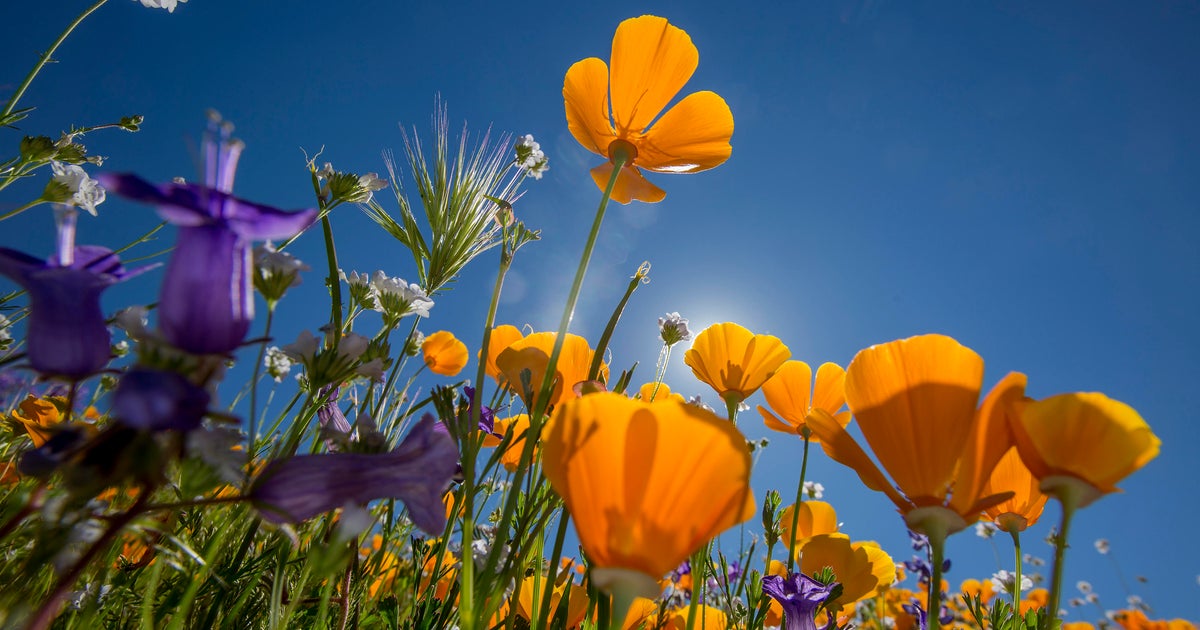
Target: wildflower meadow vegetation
[(178, 464)]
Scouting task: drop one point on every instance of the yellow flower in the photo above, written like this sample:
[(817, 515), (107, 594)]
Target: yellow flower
[(790, 393), (444, 353), (528, 602), (1026, 505), (502, 337), (532, 353), (708, 617), (972, 587), (651, 392), (1083, 437), (641, 615), (646, 483), (37, 418), (519, 425), (816, 517), (862, 568), (915, 404), (733, 360), (651, 61)]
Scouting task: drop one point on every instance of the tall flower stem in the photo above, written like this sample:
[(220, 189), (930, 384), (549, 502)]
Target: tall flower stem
[(552, 576), (45, 58), (937, 548), (1070, 500), (262, 352), (1016, 591), (598, 356), (791, 565), (620, 158), (335, 285)]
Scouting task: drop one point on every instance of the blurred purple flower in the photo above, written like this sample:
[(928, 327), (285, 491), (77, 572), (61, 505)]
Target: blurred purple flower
[(417, 472), (487, 417), (207, 299), (800, 596), (155, 400), (67, 335)]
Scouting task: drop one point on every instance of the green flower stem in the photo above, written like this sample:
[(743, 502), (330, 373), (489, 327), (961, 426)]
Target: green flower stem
[(23, 208), (622, 598), (1070, 501), (937, 546), (467, 575), (699, 582), (335, 286), (791, 565), (1016, 591), (262, 352), (598, 356), (45, 58), (619, 161), (555, 558)]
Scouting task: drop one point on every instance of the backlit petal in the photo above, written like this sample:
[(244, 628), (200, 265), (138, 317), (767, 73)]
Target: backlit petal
[(631, 184), (651, 61), (731, 359), (989, 440), (840, 446), (789, 392), (829, 393), (585, 92), (502, 337), (692, 136), (915, 403)]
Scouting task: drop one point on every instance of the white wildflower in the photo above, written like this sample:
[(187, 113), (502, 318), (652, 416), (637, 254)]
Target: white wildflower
[(5, 334), (1084, 586), (86, 192), (169, 5), (984, 529), (1093, 598), (1102, 545), (673, 328), (133, 320), (1002, 581), (278, 363), (814, 490), (531, 158), (396, 298), (695, 400)]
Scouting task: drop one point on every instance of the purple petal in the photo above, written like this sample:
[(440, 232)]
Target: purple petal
[(257, 222), (298, 488), (177, 204), (154, 400), (206, 304)]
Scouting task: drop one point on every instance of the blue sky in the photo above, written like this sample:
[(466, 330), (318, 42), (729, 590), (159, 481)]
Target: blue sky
[(1022, 176)]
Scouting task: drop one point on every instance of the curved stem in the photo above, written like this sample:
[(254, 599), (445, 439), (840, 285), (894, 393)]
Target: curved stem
[(12, 102), (796, 507), (598, 355)]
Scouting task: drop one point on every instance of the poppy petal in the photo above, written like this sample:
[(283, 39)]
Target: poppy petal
[(840, 446), (989, 440), (651, 62), (692, 136), (585, 93), (630, 184)]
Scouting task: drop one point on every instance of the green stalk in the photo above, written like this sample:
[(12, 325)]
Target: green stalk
[(1070, 501), (262, 352), (335, 286), (552, 577), (598, 355), (45, 58), (791, 567), (937, 546), (1016, 591)]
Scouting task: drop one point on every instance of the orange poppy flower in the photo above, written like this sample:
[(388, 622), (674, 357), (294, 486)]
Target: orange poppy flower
[(444, 353), (915, 404), (528, 601), (532, 353), (641, 615), (790, 393), (1026, 505), (37, 418), (816, 517), (519, 425), (502, 337), (651, 392), (1083, 437), (628, 470), (862, 568), (972, 587), (1137, 620), (708, 617), (733, 360), (611, 113)]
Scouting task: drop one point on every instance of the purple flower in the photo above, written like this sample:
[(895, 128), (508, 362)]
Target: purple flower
[(417, 472), (155, 400), (800, 596), (487, 417), (66, 335), (207, 299)]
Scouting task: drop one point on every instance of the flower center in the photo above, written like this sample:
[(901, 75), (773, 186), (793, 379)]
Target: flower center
[(624, 149)]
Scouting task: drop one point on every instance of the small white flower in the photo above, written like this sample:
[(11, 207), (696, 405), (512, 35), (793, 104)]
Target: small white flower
[(673, 328), (695, 400), (133, 320), (354, 520), (814, 490), (278, 363), (1092, 598), (304, 348), (1102, 545), (218, 446), (272, 262), (372, 182), (396, 298), (86, 192), (169, 5), (531, 158), (985, 529), (5, 334), (1084, 586), (1003, 581)]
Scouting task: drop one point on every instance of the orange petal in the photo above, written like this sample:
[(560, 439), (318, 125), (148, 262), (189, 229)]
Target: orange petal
[(1012, 475), (630, 184), (501, 338), (692, 136), (651, 61), (789, 392), (731, 359), (816, 517), (775, 424), (915, 404), (989, 440), (616, 463), (840, 446), (830, 391), (444, 354), (585, 93)]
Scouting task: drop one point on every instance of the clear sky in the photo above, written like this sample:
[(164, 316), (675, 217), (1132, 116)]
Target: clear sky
[(1023, 176)]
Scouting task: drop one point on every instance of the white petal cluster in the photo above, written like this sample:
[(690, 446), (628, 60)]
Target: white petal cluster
[(169, 5), (531, 158), (396, 298), (86, 192), (673, 328)]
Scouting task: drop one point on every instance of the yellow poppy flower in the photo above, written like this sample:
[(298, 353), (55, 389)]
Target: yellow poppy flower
[(862, 568), (790, 393), (972, 587), (1086, 437), (915, 404), (816, 517), (528, 602), (651, 392), (646, 484), (641, 615), (1135, 619), (1028, 501), (519, 425), (707, 617), (733, 360), (533, 353), (444, 353), (37, 418), (502, 337), (651, 61)]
